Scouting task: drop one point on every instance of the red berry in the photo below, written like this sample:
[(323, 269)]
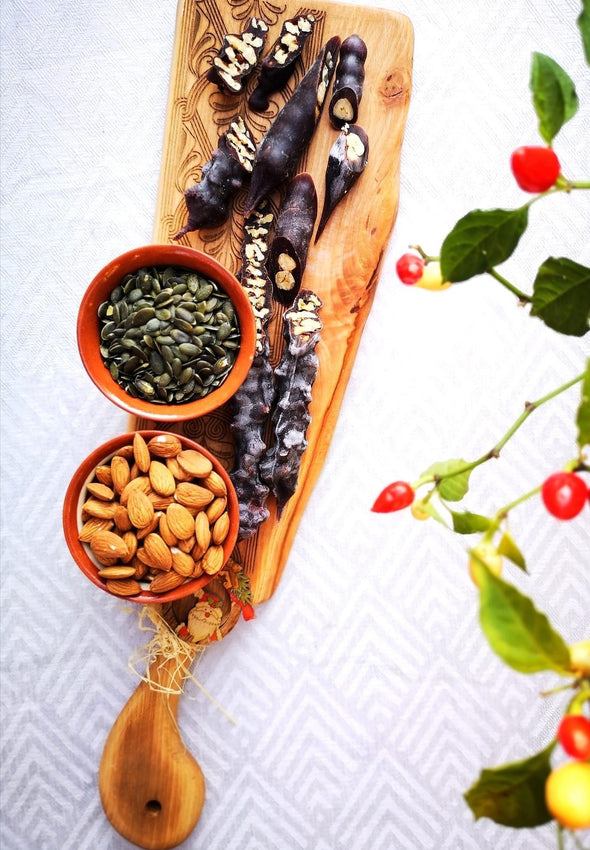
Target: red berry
[(535, 168), (564, 494), (394, 497), (574, 736), (409, 268)]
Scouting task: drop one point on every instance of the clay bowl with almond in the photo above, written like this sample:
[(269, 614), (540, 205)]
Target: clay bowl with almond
[(166, 333), (150, 516)]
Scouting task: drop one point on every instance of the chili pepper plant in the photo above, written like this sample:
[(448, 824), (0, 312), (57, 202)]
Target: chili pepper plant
[(536, 789)]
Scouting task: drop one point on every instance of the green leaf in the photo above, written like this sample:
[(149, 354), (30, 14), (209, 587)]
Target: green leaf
[(583, 414), (456, 485), (508, 548), (561, 296), (481, 240), (554, 95), (522, 636), (468, 523), (584, 27), (513, 794)]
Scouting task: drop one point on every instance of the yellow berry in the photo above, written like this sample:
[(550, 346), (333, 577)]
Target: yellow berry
[(567, 794), (484, 551), (432, 278)]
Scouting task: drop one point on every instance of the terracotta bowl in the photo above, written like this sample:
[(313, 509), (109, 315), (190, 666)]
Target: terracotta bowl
[(77, 494), (88, 330)]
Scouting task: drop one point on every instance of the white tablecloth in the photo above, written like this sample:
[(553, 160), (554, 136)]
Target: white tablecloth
[(364, 696)]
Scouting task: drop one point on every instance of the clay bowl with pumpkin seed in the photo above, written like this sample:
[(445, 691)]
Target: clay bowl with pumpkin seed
[(166, 333), (151, 516)]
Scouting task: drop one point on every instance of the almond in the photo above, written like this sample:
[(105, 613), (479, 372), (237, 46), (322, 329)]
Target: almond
[(125, 452), (141, 453), (159, 555), (117, 572), (215, 483), (212, 560), (140, 509), (180, 521), (194, 463), (103, 475), (93, 525), (165, 532), (121, 518), (164, 445), (202, 530), (182, 563), (141, 569), (151, 526), (130, 541), (176, 470), (166, 581), (188, 544), (120, 472), (100, 491), (142, 482), (106, 546), (161, 478), (216, 508), (97, 508), (124, 586), (193, 495), (198, 570), (220, 528)]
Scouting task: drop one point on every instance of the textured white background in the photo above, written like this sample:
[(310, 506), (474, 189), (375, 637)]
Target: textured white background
[(365, 697)]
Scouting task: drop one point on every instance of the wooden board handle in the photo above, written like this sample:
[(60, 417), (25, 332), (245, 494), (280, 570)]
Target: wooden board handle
[(152, 789)]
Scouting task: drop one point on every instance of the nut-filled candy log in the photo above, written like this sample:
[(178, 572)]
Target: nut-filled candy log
[(348, 82), (288, 136), (278, 65), (346, 162), (294, 376), (237, 57), (290, 245), (208, 202)]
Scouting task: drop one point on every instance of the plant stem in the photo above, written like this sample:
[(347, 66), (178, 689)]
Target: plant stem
[(522, 296), (560, 844), (507, 508), (494, 452)]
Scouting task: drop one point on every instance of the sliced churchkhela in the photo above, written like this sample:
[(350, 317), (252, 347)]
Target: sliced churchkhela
[(294, 379), (237, 57), (292, 235), (348, 82), (278, 65), (208, 202), (346, 162), (253, 400), (284, 142)]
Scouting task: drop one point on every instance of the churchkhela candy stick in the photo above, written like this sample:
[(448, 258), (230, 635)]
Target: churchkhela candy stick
[(290, 244), (208, 202), (237, 57), (346, 162), (278, 65), (284, 142), (252, 402), (348, 82), (294, 379)]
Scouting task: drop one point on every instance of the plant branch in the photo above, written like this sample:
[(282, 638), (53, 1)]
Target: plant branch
[(522, 296), (494, 452)]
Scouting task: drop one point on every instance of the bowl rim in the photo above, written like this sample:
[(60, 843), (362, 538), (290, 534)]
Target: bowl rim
[(73, 500), (159, 254)]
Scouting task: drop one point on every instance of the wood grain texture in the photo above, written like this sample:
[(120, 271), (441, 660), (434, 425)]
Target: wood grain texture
[(343, 267), (152, 789)]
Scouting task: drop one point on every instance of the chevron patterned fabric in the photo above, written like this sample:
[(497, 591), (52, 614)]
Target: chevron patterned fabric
[(364, 696)]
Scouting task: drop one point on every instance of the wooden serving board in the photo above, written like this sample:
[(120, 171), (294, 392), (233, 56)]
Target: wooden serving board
[(343, 267)]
